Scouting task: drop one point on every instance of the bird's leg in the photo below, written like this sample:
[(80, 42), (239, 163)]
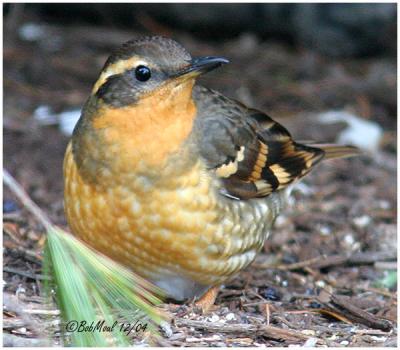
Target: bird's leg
[(207, 300)]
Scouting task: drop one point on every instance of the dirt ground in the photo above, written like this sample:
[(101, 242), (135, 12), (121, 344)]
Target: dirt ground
[(323, 279)]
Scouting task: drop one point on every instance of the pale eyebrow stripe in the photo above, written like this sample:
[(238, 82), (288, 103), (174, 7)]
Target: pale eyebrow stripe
[(118, 67)]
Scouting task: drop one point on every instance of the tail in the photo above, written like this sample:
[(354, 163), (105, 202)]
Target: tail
[(333, 151)]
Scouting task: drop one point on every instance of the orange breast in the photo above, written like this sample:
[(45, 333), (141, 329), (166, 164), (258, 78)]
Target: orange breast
[(142, 225), (184, 227)]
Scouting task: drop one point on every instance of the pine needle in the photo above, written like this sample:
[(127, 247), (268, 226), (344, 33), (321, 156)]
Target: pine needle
[(92, 290)]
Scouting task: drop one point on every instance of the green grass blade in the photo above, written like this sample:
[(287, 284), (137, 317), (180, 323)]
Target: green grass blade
[(91, 287)]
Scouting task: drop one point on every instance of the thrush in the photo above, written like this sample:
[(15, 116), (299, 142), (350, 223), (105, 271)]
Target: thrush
[(174, 180)]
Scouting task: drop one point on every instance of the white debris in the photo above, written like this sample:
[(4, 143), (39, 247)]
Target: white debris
[(211, 338), (349, 239), (281, 221), (310, 342), (213, 318), (166, 327), (44, 116), (382, 204), (66, 121), (303, 188), (230, 316), (308, 332), (320, 284), (325, 230), (378, 339), (351, 242), (332, 337), (361, 133), (31, 32), (362, 221), (344, 342), (290, 202), (192, 340), (20, 290), (22, 330)]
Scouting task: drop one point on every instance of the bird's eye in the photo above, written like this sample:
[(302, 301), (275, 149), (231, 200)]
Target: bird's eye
[(142, 73)]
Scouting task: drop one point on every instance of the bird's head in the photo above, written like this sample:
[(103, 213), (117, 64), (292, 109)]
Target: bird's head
[(141, 68), (141, 108)]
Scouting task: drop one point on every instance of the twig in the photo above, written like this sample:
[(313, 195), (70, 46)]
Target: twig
[(13, 304), (386, 265), (342, 305), (380, 291), (321, 262), (42, 312), (26, 274), (31, 255), (256, 303), (370, 331), (10, 340), (360, 258), (13, 323), (247, 329), (301, 264), (365, 317)]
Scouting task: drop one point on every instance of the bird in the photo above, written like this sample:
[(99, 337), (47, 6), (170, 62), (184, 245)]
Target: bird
[(174, 180)]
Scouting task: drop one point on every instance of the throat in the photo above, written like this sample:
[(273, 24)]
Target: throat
[(142, 135)]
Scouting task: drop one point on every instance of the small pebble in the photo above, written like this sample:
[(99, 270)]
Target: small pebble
[(320, 284)]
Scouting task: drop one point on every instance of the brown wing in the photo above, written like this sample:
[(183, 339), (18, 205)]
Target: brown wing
[(251, 153), (273, 161)]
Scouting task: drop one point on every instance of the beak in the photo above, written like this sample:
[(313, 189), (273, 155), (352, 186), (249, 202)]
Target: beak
[(200, 65)]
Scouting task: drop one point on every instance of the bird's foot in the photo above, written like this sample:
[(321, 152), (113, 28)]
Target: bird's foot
[(206, 302)]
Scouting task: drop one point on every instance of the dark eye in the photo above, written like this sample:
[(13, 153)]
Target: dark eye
[(142, 73)]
